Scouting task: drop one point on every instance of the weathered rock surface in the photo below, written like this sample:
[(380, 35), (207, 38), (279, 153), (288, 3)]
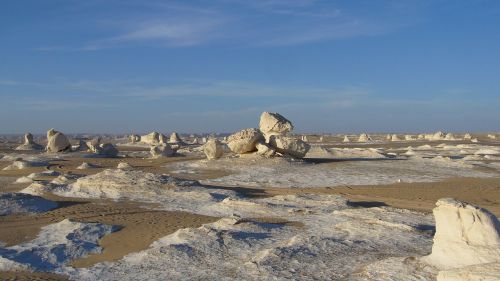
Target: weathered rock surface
[(395, 138), (289, 146), (346, 139), (465, 235), (57, 141), (364, 138), (106, 149), (175, 138), (134, 138), (265, 150), (274, 124), (153, 138), (29, 143), (480, 272), (213, 149), (162, 150), (244, 141)]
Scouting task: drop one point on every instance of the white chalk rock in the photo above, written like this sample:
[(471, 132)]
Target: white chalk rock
[(213, 149), (106, 149), (467, 136), (449, 136), (421, 137), (134, 138), (274, 124), (395, 138), (57, 141), (465, 235), (265, 150), (289, 146), (85, 166), (124, 166), (93, 144), (29, 143), (244, 141), (153, 138), (388, 137), (82, 146), (492, 136), (364, 138), (408, 137), (480, 272), (162, 150), (346, 139), (175, 138)]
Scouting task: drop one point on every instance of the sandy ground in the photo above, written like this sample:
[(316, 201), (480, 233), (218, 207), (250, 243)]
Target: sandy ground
[(141, 226)]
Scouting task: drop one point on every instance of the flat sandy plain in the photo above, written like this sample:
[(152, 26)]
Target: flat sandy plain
[(140, 224)]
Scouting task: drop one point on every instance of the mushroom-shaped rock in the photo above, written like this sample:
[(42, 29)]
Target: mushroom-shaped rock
[(175, 138), (244, 141), (162, 150), (57, 141), (274, 124), (265, 150), (364, 138), (106, 149), (289, 146), (29, 143), (213, 149), (465, 235)]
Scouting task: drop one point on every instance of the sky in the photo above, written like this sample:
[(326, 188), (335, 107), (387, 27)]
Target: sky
[(122, 66)]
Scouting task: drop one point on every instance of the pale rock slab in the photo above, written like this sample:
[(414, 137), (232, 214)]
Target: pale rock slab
[(465, 235), (244, 141), (289, 146), (213, 149), (265, 150)]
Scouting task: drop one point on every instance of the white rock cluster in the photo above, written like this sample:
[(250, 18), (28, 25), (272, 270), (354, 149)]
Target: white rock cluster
[(466, 243), (153, 138), (271, 138), (162, 150)]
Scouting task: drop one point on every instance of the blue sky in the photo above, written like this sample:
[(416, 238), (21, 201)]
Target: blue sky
[(123, 66)]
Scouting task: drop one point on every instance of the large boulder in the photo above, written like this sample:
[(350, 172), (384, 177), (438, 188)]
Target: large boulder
[(213, 149), (274, 124), (244, 141), (29, 143), (263, 149), (465, 235), (162, 150), (289, 146), (57, 141)]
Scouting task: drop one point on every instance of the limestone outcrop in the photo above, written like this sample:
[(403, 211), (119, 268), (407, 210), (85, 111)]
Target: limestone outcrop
[(57, 142), (213, 149), (29, 143)]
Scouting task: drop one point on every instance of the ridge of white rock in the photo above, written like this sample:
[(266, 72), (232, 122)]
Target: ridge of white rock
[(465, 235)]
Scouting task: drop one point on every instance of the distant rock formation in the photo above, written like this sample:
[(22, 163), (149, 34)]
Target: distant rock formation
[(153, 138), (346, 139), (364, 138), (409, 138), (175, 139), (57, 142), (134, 138), (449, 136), (29, 143), (289, 146), (467, 136), (395, 138)]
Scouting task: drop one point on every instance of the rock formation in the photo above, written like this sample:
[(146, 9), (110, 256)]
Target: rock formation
[(409, 137), (290, 146), (449, 136), (395, 138), (153, 138), (213, 149), (274, 124), (492, 136), (263, 149), (162, 150), (364, 138), (346, 139), (244, 141), (465, 235), (175, 139), (57, 141), (467, 136), (29, 143), (134, 138), (106, 149)]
